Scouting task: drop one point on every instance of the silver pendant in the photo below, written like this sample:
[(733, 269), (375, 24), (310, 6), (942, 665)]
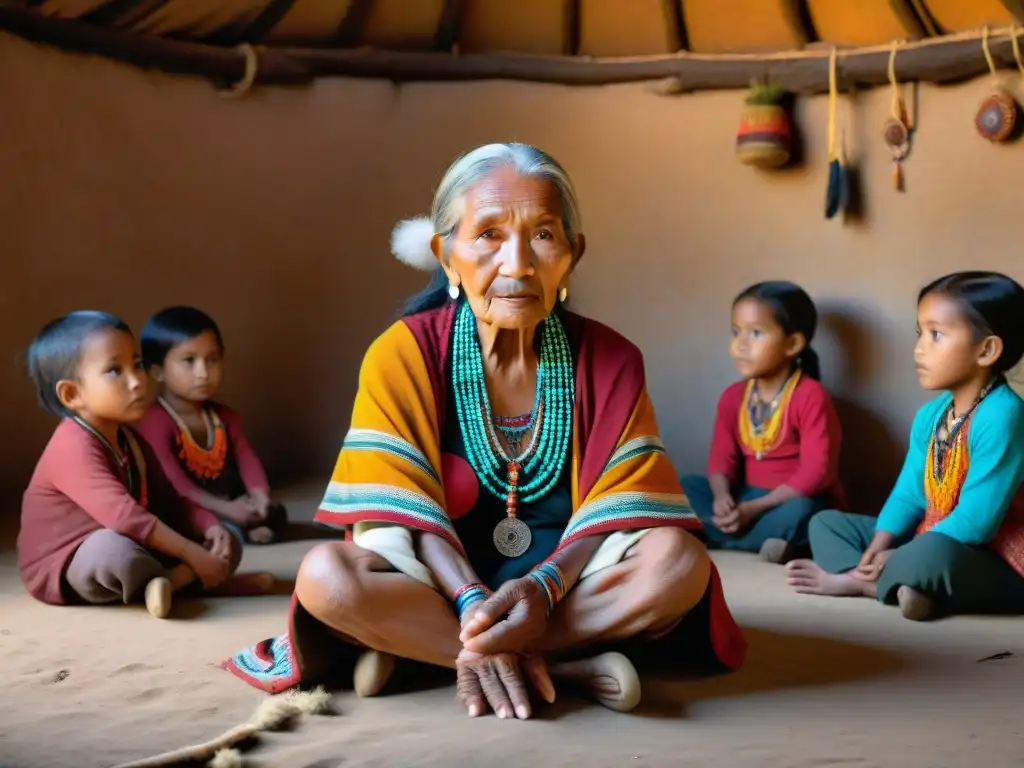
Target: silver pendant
[(758, 456), (512, 537)]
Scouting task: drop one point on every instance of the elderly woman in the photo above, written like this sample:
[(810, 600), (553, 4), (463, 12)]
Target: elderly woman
[(511, 511)]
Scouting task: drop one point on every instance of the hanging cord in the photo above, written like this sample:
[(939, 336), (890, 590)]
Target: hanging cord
[(988, 51), (1015, 41), (897, 101), (252, 67), (832, 98)]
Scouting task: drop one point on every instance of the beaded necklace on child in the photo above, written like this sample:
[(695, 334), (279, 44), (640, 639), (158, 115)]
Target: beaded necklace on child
[(947, 461), (761, 422), (508, 469), (123, 456), (205, 463)]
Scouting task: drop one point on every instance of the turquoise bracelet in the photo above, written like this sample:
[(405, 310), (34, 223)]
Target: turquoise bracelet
[(468, 595)]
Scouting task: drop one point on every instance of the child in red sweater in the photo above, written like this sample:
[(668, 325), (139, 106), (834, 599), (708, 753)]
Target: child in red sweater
[(200, 444), (774, 456), (99, 522)]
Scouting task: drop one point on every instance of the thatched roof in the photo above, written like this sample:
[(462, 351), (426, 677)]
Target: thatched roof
[(703, 43)]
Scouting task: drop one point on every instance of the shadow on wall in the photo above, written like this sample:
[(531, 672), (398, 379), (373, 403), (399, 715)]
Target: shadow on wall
[(871, 457)]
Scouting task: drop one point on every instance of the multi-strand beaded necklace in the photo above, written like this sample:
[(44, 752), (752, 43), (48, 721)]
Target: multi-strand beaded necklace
[(760, 424), (947, 461), (507, 469)]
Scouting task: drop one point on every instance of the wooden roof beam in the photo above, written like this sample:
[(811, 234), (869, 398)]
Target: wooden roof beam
[(350, 30), (939, 60), (447, 33), (1016, 9), (571, 27), (908, 19), (795, 14), (675, 23)]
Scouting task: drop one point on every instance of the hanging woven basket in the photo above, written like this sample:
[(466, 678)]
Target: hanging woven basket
[(764, 137)]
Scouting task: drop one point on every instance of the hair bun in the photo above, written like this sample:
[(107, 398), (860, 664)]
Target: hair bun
[(410, 243)]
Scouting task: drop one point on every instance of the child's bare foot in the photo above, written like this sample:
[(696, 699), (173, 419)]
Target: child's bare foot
[(262, 534), (914, 605), (159, 597), (776, 551), (807, 577), (608, 678), (372, 672), (245, 585)]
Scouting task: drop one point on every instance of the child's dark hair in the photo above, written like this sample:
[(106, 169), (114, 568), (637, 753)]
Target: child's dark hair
[(172, 326), (55, 352), (794, 310), (993, 305)]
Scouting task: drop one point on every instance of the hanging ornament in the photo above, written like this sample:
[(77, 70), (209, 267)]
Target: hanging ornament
[(897, 129), (764, 135), (837, 192), (997, 116)]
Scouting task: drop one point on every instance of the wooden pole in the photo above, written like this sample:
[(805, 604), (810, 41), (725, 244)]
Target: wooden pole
[(941, 60)]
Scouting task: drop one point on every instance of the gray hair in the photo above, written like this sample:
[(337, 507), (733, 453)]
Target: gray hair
[(446, 212), (410, 239)]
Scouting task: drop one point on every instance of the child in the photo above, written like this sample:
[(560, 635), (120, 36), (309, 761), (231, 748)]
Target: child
[(200, 443), (774, 456), (950, 539), (99, 522)]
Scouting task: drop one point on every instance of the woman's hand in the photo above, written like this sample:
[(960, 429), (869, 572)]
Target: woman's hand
[(499, 681), (508, 621)]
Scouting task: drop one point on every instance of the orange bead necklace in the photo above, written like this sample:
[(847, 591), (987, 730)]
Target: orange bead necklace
[(204, 463)]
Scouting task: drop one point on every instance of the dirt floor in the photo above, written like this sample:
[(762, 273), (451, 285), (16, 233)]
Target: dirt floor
[(828, 682)]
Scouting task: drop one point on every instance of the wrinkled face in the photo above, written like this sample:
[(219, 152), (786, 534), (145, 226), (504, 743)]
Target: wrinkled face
[(510, 254), (947, 352), (760, 346), (193, 369), (111, 384)]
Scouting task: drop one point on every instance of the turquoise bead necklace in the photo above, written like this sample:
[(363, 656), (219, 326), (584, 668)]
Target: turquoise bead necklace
[(540, 463)]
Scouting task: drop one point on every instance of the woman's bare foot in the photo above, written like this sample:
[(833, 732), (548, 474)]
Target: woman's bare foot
[(914, 605), (262, 534), (609, 678), (159, 597), (807, 577), (245, 585), (372, 672)]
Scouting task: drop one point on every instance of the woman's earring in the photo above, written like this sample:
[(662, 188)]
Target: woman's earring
[(453, 291), (563, 293)]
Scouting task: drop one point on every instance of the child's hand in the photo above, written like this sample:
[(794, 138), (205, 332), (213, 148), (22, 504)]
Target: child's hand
[(260, 501), (741, 516), (871, 570), (218, 542), (724, 508), (208, 568), (869, 566), (243, 513)]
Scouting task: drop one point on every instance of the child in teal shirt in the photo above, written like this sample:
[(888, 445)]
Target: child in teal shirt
[(950, 539)]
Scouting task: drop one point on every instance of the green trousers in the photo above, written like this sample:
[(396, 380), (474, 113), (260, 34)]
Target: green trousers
[(959, 578)]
